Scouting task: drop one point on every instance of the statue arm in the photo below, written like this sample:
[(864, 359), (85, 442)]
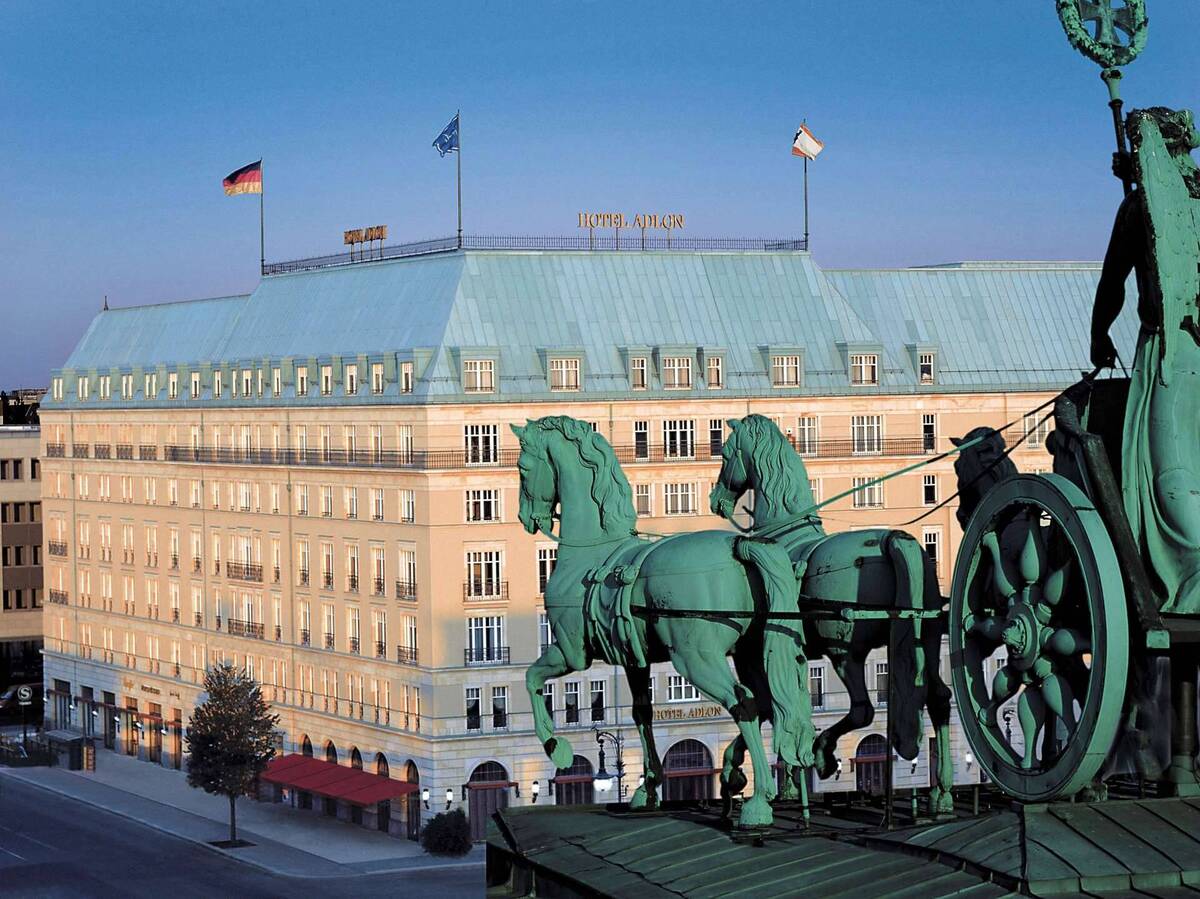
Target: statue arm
[(1110, 292)]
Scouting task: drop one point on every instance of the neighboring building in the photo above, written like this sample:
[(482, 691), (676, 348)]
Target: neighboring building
[(20, 407), (21, 550), (317, 481)]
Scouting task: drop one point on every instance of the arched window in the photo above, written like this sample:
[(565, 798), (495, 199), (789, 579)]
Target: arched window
[(355, 759), (331, 752), (488, 792), (411, 774), (688, 769), (412, 808), (306, 746), (381, 765), (869, 765), (573, 785)]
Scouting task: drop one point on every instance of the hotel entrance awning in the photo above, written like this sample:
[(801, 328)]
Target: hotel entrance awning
[(302, 772)]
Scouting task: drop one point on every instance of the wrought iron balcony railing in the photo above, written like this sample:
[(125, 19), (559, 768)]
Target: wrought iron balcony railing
[(352, 583), (354, 645), (124, 450), (486, 655), (407, 655), (56, 548), (80, 450), (58, 597), (485, 589), (406, 590), (244, 571), (329, 641), (55, 450), (240, 628), (148, 452), (305, 636), (102, 450)]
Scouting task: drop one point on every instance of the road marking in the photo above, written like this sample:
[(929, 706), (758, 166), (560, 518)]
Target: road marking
[(25, 836)]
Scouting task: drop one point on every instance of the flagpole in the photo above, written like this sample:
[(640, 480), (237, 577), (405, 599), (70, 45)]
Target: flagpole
[(458, 116), (262, 243), (806, 202)]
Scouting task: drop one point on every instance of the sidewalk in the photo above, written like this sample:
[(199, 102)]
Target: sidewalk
[(295, 842)]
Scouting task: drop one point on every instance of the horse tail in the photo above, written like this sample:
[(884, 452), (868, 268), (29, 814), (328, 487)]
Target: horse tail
[(907, 644), (783, 645)]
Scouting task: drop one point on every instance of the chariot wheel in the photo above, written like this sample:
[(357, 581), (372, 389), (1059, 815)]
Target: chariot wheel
[(1039, 637)]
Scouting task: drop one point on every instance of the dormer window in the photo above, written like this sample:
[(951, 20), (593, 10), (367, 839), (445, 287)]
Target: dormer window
[(173, 385), (126, 387), (276, 382), (715, 372), (479, 375), (351, 380), (326, 380), (81, 388), (564, 374), (925, 368), (216, 385), (864, 369), (785, 371), (376, 377), (406, 377), (677, 372), (301, 380), (195, 385), (105, 387), (56, 388), (637, 373)]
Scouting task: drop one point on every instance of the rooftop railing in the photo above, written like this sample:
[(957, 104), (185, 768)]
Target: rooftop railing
[(620, 241)]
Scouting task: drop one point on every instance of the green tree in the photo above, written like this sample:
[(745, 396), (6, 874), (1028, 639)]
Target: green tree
[(231, 737)]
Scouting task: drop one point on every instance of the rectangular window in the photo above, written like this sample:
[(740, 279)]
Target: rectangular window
[(571, 701), (716, 436), (376, 377), (350, 379), (599, 704), (546, 558), (195, 385), (679, 439), (932, 539), (473, 714), (247, 382), (807, 435), (785, 371), (866, 494), (326, 380), (216, 385), (641, 499), (484, 573), (816, 685), (677, 372), (1036, 431), (408, 506), (545, 632), (485, 639), (925, 368), (483, 504), (105, 387), (641, 440), (173, 386), (679, 689), (499, 707), (479, 375), (482, 444), (679, 499), (406, 586), (866, 433), (929, 432), (637, 373), (929, 490), (406, 377), (564, 374), (715, 366), (881, 684), (276, 382), (377, 504), (301, 380), (864, 369)]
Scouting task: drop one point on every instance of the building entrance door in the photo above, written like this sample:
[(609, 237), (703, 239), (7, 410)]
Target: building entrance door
[(487, 793), (688, 769), (412, 803), (869, 767)]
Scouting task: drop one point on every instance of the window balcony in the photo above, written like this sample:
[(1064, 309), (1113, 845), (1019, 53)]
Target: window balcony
[(327, 580), (275, 574), (174, 561), (305, 636), (198, 617), (329, 641), (196, 564), (102, 450), (377, 586), (352, 583), (58, 597), (147, 453), (354, 645), (55, 450), (483, 590), (124, 451), (175, 615), (80, 450), (240, 628), (406, 590), (303, 578), (380, 649), (244, 571), (407, 655), (152, 560), (278, 633), (486, 655), (56, 548)]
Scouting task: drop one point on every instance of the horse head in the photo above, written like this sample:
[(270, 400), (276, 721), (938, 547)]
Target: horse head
[(979, 468), (539, 484), (758, 457), (734, 478)]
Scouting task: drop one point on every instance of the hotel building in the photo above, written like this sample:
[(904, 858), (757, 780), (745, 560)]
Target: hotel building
[(317, 482)]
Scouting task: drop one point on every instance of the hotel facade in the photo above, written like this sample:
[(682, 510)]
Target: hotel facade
[(317, 482)]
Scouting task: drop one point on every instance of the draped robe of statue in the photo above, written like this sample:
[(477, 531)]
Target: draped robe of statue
[(1157, 234)]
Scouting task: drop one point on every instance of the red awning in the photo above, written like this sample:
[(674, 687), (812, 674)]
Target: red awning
[(302, 772)]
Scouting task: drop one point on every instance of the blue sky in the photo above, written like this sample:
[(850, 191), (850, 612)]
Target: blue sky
[(953, 131)]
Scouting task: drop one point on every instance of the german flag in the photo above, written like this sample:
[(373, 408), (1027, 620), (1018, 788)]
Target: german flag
[(246, 180)]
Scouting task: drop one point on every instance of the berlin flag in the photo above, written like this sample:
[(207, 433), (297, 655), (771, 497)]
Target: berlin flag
[(246, 180), (805, 144)]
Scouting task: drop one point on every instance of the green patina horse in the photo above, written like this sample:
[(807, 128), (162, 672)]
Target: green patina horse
[(877, 568), (608, 584)]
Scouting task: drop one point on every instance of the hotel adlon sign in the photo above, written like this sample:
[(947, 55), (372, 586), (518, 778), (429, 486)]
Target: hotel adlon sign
[(665, 221)]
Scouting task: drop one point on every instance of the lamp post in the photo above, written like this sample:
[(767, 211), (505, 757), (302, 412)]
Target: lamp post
[(602, 779)]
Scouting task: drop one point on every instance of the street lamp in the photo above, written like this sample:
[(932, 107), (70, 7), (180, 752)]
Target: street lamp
[(602, 779), (425, 797), (535, 790), (449, 797), (969, 759)]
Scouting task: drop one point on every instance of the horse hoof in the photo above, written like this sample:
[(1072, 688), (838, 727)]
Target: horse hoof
[(560, 752), (642, 799), (756, 812), (790, 790), (826, 764), (735, 783)]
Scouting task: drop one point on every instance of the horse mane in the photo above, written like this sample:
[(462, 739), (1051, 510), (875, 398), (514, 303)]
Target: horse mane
[(782, 487), (979, 469), (610, 488)]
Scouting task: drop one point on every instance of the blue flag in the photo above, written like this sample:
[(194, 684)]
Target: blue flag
[(447, 141)]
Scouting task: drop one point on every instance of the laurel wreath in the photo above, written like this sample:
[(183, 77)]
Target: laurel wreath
[(1107, 55)]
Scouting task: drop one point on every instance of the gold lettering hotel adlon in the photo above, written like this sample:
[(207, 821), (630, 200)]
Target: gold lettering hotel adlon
[(665, 221)]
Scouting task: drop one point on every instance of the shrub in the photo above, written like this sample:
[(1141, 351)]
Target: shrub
[(447, 834)]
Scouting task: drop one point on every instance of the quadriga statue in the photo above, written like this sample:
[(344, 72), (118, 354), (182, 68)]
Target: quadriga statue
[(612, 595)]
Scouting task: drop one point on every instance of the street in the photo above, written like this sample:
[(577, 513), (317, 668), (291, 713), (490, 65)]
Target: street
[(52, 846)]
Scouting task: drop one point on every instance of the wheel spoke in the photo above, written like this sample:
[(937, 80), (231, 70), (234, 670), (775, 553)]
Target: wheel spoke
[(1033, 553), (1060, 699), (1067, 641), (1056, 581), (1031, 713), (1002, 584), (989, 628)]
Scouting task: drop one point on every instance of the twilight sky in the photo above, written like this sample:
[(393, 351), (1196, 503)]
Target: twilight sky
[(953, 131)]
